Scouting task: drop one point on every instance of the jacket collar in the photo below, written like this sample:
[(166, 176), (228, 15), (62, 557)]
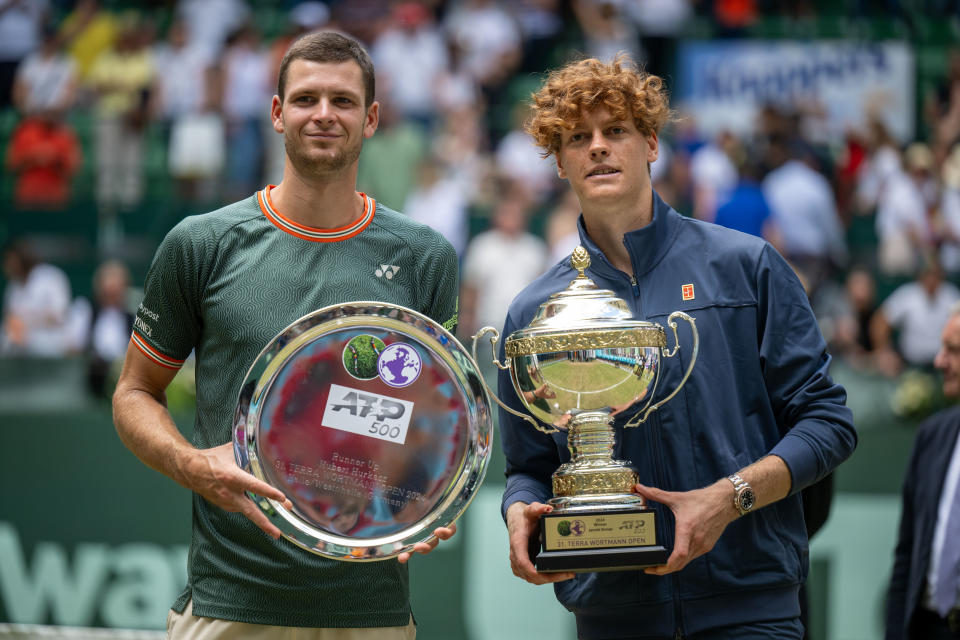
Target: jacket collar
[(646, 245)]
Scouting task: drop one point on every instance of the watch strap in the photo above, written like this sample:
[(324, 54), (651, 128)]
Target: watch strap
[(741, 486)]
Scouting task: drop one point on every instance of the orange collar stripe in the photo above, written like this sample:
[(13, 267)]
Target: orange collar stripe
[(311, 233), (153, 354)]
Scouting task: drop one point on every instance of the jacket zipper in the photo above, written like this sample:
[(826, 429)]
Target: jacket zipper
[(659, 474), (677, 609)]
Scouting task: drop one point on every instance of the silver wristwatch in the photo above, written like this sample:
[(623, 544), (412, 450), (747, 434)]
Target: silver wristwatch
[(744, 499)]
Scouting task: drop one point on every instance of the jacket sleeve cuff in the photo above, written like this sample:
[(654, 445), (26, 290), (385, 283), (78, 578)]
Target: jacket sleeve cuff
[(801, 460), (521, 488)]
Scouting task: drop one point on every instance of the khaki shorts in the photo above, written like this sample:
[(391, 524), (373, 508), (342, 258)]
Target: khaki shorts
[(186, 626)]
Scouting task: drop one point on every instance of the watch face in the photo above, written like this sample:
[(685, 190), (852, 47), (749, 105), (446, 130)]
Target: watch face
[(747, 499)]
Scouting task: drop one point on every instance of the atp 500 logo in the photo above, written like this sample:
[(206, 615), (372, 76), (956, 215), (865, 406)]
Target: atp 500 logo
[(361, 404), (367, 414)]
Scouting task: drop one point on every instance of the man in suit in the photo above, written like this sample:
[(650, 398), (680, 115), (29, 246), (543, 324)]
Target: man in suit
[(924, 598)]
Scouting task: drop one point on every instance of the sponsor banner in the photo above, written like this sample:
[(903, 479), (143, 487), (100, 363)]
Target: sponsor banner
[(722, 85)]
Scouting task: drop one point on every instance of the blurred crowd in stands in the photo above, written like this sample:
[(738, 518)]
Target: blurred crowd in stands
[(871, 224)]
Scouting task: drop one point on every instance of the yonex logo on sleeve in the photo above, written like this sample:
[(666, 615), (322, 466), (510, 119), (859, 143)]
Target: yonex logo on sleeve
[(387, 271)]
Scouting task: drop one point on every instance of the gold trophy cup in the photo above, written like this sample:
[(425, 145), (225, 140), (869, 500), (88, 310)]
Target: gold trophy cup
[(582, 359)]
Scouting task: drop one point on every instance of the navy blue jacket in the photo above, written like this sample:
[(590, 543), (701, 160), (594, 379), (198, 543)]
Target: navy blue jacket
[(932, 451), (760, 386)]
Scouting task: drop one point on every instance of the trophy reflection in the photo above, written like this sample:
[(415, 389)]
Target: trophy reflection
[(581, 360)]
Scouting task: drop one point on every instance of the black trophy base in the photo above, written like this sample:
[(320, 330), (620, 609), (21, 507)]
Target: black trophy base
[(595, 560)]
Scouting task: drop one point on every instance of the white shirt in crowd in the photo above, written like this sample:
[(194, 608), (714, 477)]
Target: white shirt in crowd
[(246, 84), (498, 267), (47, 80), (874, 175), (920, 319), (714, 177), (210, 22), (518, 157), (805, 211), (183, 83), (41, 303), (443, 206), (411, 63), (902, 225), (486, 33)]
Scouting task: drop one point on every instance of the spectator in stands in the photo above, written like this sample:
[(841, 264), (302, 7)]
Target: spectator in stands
[(500, 262), (671, 174), (246, 88), (460, 145), (456, 89), (561, 231), (104, 326), (805, 212), (390, 161), (660, 24), (410, 55), (304, 17), (713, 173), (904, 226), (183, 86), (942, 105), (844, 315), (607, 28), (489, 39), (211, 22), (440, 200), (86, 32), (517, 158), (746, 208), (35, 305), (362, 19), (880, 165), (122, 77), (918, 310), (850, 163), (185, 103), (44, 155), (734, 17), (950, 212), (541, 25), (21, 23), (46, 80)]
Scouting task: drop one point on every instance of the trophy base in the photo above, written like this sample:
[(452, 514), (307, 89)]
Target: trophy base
[(598, 539), (596, 560)]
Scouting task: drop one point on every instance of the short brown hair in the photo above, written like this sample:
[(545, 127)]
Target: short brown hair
[(328, 46), (586, 84)]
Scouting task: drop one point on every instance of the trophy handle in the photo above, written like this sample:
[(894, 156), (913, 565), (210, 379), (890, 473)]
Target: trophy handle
[(669, 354), (503, 367)]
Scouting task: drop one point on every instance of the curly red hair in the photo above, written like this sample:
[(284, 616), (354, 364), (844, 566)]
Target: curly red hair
[(584, 85)]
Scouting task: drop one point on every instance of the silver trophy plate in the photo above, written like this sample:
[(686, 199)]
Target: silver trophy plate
[(372, 419)]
